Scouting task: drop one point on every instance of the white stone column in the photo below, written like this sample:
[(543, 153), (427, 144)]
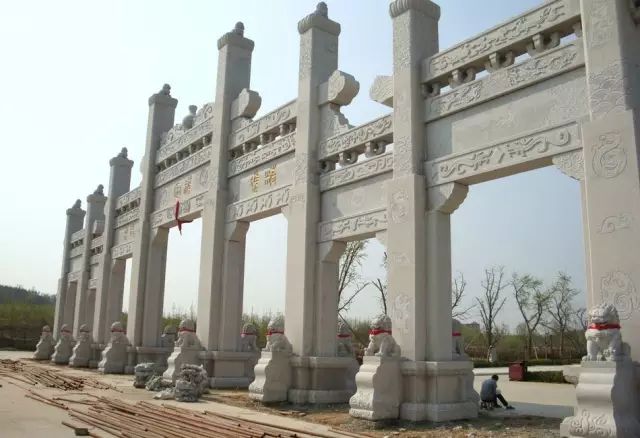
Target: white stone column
[(318, 59), (161, 117), (75, 219), (95, 212), (119, 184), (611, 139), (115, 296), (233, 285), (154, 289), (234, 71), (435, 387), (329, 254)]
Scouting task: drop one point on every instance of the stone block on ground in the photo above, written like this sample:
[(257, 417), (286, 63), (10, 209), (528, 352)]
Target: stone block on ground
[(272, 377)]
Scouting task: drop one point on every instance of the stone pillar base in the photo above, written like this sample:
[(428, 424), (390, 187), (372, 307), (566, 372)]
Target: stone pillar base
[(379, 389), (157, 355), (438, 391), (607, 401), (322, 379), (229, 369), (273, 377), (181, 356)]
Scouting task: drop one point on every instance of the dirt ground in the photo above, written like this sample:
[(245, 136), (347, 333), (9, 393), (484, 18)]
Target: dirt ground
[(19, 413)]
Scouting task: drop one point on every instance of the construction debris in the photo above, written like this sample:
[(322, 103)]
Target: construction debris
[(35, 374)]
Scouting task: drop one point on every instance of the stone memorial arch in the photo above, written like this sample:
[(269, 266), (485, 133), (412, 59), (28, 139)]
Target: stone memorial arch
[(558, 85)]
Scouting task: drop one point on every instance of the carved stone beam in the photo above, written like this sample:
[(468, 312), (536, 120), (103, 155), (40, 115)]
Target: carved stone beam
[(446, 198), (382, 237), (340, 89), (381, 90), (497, 61), (571, 164), (430, 90), (347, 157), (542, 43), (459, 76), (246, 104), (635, 10)]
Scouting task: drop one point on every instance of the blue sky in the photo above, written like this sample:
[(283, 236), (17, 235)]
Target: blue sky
[(76, 76)]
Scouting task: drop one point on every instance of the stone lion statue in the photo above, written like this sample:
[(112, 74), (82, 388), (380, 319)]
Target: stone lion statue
[(45, 347), (345, 346), (604, 341), (118, 334), (276, 339), (381, 343), (248, 338), (187, 334), (168, 337)]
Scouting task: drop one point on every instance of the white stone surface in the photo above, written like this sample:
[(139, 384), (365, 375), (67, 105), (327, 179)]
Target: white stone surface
[(186, 352), (379, 389), (272, 377)]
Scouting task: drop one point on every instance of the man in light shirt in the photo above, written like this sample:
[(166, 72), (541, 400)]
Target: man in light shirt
[(489, 393)]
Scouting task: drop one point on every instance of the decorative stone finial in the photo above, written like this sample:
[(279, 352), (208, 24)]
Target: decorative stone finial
[(239, 28), (123, 153), (99, 190), (189, 119), (426, 7), (77, 204), (166, 90), (322, 9)]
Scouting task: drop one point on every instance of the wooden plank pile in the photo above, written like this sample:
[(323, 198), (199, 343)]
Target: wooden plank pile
[(51, 378)]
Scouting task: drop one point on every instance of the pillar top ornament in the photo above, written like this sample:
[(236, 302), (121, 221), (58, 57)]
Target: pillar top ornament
[(76, 209), (97, 195), (121, 160), (319, 19), (236, 38), (426, 7), (163, 97)]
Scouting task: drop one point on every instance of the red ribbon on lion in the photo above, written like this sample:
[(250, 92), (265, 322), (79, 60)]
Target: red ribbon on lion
[(596, 326), (274, 332), (378, 331), (179, 221)]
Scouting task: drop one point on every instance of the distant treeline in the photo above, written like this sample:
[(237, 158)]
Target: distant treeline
[(18, 294)]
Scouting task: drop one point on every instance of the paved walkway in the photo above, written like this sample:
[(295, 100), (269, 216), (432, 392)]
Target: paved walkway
[(505, 370)]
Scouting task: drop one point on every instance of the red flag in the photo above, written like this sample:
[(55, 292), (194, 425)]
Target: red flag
[(178, 220)]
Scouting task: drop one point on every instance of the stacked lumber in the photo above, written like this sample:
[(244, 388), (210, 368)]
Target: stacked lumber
[(112, 417), (51, 378)]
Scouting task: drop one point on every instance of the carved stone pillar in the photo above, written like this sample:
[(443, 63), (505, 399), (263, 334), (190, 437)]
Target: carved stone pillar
[(419, 247), (161, 117), (75, 219), (119, 184), (95, 212), (219, 327), (611, 140)]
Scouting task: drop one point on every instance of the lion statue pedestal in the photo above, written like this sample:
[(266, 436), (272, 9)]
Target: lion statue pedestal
[(606, 394), (64, 348), (115, 355), (82, 351), (273, 371), (186, 352), (379, 380)]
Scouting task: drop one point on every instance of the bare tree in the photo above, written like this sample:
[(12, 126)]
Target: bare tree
[(350, 274), (381, 286), (491, 301), (581, 318), (532, 303), (561, 296), (457, 293)]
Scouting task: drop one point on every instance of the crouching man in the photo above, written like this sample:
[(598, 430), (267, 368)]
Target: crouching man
[(490, 394)]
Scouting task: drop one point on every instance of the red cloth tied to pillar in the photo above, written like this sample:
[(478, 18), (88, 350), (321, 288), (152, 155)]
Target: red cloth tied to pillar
[(378, 331), (65, 331), (179, 221), (596, 326), (184, 329), (456, 334), (274, 332), (344, 335), (117, 330)]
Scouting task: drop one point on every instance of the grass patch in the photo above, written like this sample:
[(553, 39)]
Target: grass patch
[(545, 377)]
